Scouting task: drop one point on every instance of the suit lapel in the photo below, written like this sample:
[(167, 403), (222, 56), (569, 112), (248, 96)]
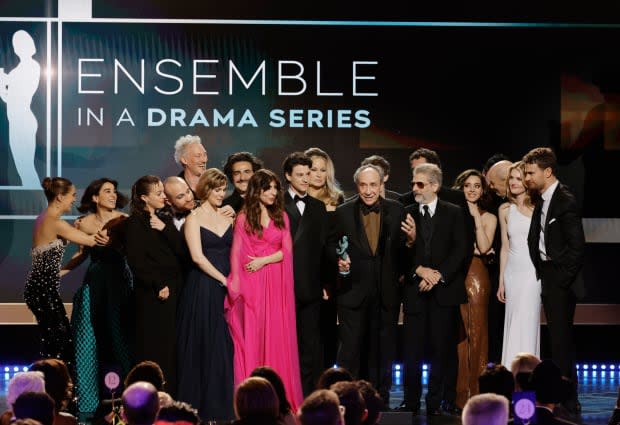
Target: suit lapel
[(293, 213), (360, 232)]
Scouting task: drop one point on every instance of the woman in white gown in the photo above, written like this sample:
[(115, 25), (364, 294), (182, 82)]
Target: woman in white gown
[(518, 286)]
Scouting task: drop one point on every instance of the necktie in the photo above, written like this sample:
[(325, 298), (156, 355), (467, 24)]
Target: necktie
[(298, 198), (427, 224)]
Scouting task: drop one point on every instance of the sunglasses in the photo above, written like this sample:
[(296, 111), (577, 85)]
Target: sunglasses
[(419, 185)]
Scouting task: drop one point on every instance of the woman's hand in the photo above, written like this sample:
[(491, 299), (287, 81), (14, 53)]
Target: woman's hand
[(256, 264), (501, 294), (156, 223), (164, 293)]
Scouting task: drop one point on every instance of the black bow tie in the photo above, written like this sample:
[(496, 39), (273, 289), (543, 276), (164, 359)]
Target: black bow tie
[(367, 209), (180, 215), (298, 198)]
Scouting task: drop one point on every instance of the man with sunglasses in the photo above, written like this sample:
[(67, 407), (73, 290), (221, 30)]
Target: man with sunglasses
[(434, 288)]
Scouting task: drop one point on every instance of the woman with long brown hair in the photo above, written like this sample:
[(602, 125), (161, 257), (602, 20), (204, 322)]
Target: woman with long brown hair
[(473, 349), (156, 254), (261, 300)]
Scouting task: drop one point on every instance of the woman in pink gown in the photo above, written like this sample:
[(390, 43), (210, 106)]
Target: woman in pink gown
[(260, 306)]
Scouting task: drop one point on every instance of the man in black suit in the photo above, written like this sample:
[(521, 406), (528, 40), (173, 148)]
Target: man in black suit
[(368, 299), (556, 243), (308, 224), (239, 167), (434, 289)]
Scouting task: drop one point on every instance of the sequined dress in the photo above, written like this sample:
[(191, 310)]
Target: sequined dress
[(43, 299)]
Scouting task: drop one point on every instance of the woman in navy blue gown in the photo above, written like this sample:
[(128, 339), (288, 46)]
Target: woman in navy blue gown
[(205, 348)]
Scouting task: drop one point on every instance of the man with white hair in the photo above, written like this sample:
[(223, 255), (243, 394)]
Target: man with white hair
[(487, 409), (22, 382), (192, 156)]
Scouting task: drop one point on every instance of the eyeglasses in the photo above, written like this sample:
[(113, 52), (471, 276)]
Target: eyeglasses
[(419, 185)]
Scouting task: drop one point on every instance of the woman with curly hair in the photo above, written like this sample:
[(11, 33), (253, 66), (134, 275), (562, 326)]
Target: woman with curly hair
[(261, 302)]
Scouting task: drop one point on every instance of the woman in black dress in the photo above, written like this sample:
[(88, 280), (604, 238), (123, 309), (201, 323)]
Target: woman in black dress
[(155, 253), (205, 348)]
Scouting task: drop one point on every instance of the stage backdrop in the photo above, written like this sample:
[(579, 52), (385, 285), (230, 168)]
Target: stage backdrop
[(110, 97)]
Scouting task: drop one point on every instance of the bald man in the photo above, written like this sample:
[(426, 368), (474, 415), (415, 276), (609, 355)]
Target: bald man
[(180, 198), (496, 177), (140, 404)]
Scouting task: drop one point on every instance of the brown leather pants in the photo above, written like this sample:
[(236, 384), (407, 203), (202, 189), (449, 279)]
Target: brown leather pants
[(473, 347)]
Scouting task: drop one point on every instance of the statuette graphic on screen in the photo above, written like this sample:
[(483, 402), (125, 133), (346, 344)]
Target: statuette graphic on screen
[(17, 87)]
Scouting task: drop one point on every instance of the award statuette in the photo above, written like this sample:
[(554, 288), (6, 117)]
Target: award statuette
[(343, 244)]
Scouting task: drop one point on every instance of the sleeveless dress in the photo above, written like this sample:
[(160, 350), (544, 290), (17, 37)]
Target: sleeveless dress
[(261, 307), (43, 299), (100, 323), (522, 289), (204, 345)]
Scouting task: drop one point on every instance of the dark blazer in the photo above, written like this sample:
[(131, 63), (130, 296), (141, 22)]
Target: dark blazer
[(545, 417), (234, 200), (449, 249), (564, 240), (366, 279), (309, 234)]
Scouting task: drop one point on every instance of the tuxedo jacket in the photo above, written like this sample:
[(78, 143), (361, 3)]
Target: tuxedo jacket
[(370, 275), (234, 200), (564, 242), (449, 249), (309, 235)]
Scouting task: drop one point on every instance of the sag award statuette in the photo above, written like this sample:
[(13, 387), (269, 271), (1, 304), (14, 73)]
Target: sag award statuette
[(343, 244)]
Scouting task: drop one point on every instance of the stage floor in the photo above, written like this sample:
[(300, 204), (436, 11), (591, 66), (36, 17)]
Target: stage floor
[(598, 390)]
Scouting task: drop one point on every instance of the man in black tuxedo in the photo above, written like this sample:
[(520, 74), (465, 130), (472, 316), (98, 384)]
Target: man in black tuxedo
[(239, 167), (434, 289), (308, 224), (368, 299), (556, 243)]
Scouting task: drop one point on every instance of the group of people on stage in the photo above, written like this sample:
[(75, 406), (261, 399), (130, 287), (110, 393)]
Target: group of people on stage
[(212, 286)]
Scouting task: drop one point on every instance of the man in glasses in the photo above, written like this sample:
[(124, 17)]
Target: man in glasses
[(434, 288)]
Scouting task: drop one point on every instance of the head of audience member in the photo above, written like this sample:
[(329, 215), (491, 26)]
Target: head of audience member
[(211, 187), (177, 411), (374, 402), (426, 182), (493, 159), (102, 193), (546, 380), (496, 379), (178, 194), (264, 191), (191, 155), (140, 403), (23, 382), (323, 184), (474, 186), (521, 367), (146, 371), (256, 401), (296, 168), (424, 156), (540, 169), (351, 398), (239, 167), (496, 177), (58, 383), (274, 379), (487, 409), (369, 181), (35, 405), (322, 407), (26, 421), (59, 192), (332, 375), (147, 195)]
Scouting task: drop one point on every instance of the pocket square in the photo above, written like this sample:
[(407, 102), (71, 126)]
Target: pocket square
[(552, 220)]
